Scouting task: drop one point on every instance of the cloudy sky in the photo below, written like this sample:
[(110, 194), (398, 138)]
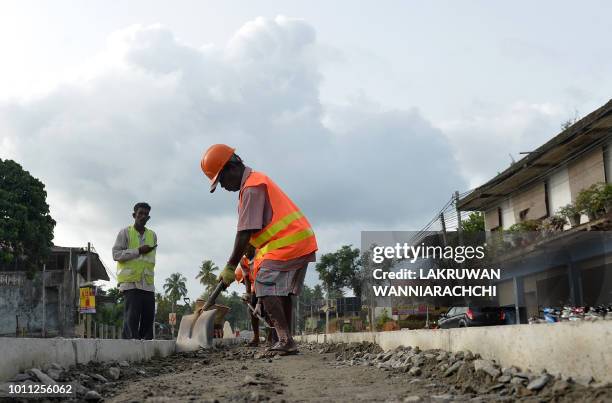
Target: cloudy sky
[(368, 114)]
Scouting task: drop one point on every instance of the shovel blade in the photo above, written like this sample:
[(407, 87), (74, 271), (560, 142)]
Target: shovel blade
[(196, 331)]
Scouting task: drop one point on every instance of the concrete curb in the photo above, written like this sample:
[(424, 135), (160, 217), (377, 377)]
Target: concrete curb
[(20, 354), (576, 349)]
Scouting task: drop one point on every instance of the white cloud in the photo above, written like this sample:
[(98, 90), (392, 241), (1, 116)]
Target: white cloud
[(133, 127), (484, 140)]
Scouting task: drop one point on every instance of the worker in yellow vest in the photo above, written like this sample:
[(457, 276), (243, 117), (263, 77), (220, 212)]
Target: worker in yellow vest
[(275, 227), (134, 252)]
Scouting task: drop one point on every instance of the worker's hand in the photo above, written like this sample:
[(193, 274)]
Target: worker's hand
[(227, 274), (144, 249)]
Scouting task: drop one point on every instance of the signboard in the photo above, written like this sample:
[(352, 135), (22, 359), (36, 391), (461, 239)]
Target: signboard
[(11, 280), (87, 300), (172, 318)]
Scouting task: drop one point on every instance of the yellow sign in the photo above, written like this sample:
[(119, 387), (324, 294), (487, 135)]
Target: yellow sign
[(87, 300)]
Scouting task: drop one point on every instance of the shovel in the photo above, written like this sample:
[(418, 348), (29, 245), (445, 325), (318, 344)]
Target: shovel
[(196, 330)]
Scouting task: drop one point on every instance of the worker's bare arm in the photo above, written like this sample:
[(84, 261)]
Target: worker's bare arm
[(241, 243)]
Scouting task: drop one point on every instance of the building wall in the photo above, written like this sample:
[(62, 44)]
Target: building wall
[(508, 218), (559, 194), (585, 171), (505, 293), (21, 303)]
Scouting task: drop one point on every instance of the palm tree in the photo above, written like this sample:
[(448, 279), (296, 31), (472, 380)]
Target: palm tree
[(207, 276), (175, 287)]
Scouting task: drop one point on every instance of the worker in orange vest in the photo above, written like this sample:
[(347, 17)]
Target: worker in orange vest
[(245, 274), (275, 227)]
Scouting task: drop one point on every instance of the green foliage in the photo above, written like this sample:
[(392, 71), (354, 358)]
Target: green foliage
[(568, 211), (588, 200), (474, 223), (382, 319), (26, 227), (207, 275), (341, 269), (175, 287), (317, 292), (525, 226)]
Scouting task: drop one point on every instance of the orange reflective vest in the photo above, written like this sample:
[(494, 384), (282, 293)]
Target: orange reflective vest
[(288, 235)]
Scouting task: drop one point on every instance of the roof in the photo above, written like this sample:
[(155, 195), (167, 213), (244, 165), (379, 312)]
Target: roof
[(588, 132)]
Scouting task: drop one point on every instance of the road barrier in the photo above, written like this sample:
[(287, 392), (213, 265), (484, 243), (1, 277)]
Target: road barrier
[(576, 349)]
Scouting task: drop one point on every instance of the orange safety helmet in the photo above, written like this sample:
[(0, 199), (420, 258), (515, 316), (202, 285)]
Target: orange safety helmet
[(213, 161), (239, 275)]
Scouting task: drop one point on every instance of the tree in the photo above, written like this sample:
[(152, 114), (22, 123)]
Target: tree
[(317, 292), (474, 223), (175, 287), (207, 276), (341, 269), (26, 227)]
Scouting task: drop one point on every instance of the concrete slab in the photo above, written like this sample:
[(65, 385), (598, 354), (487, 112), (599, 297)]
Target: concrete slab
[(568, 348), (19, 354)]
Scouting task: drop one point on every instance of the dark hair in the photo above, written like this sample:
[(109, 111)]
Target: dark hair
[(142, 205)]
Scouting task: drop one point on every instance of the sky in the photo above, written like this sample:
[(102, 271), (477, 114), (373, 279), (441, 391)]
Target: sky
[(368, 114)]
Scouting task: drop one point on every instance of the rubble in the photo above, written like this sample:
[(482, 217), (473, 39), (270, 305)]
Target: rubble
[(462, 371), (411, 375)]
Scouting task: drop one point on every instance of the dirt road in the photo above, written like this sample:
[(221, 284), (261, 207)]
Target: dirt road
[(314, 375)]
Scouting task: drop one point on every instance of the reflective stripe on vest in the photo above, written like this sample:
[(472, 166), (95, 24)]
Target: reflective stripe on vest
[(133, 271), (288, 235)]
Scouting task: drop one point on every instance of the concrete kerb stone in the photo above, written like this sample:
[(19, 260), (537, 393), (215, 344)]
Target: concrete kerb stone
[(571, 349), (20, 354)]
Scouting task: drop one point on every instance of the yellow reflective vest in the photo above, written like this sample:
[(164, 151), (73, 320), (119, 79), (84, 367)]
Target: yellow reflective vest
[(133, 271)]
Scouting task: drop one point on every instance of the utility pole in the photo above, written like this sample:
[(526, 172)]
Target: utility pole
[(443, 228), (87, 315), (44, 308), (459, 227), (327, 312)]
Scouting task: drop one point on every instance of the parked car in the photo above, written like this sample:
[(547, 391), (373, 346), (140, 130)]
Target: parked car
[(467, 316)]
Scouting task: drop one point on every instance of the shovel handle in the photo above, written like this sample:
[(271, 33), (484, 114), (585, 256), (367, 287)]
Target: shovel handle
[(214, 295)]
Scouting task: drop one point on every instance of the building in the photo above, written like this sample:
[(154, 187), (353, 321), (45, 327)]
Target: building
[(572, 266), (48, 303)]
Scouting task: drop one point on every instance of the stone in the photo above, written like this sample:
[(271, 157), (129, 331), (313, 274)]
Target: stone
[(468, 355), (54, 373), (525, 375), (114, 373), (430, 356), (21, 377), (504, 379), (415, 398), (442, 356), (92, 396), (80, 389), (510, 371), (539, 382), (55, 365), (583, 380), (453, 368), (124, 364), (415, 371), (495, 387), (99, 377), (44, 378), (487, 367), (518, 380), (443, 398), (560, 386)]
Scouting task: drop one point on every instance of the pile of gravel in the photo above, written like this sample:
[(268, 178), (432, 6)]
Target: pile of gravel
[(468, 374)]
